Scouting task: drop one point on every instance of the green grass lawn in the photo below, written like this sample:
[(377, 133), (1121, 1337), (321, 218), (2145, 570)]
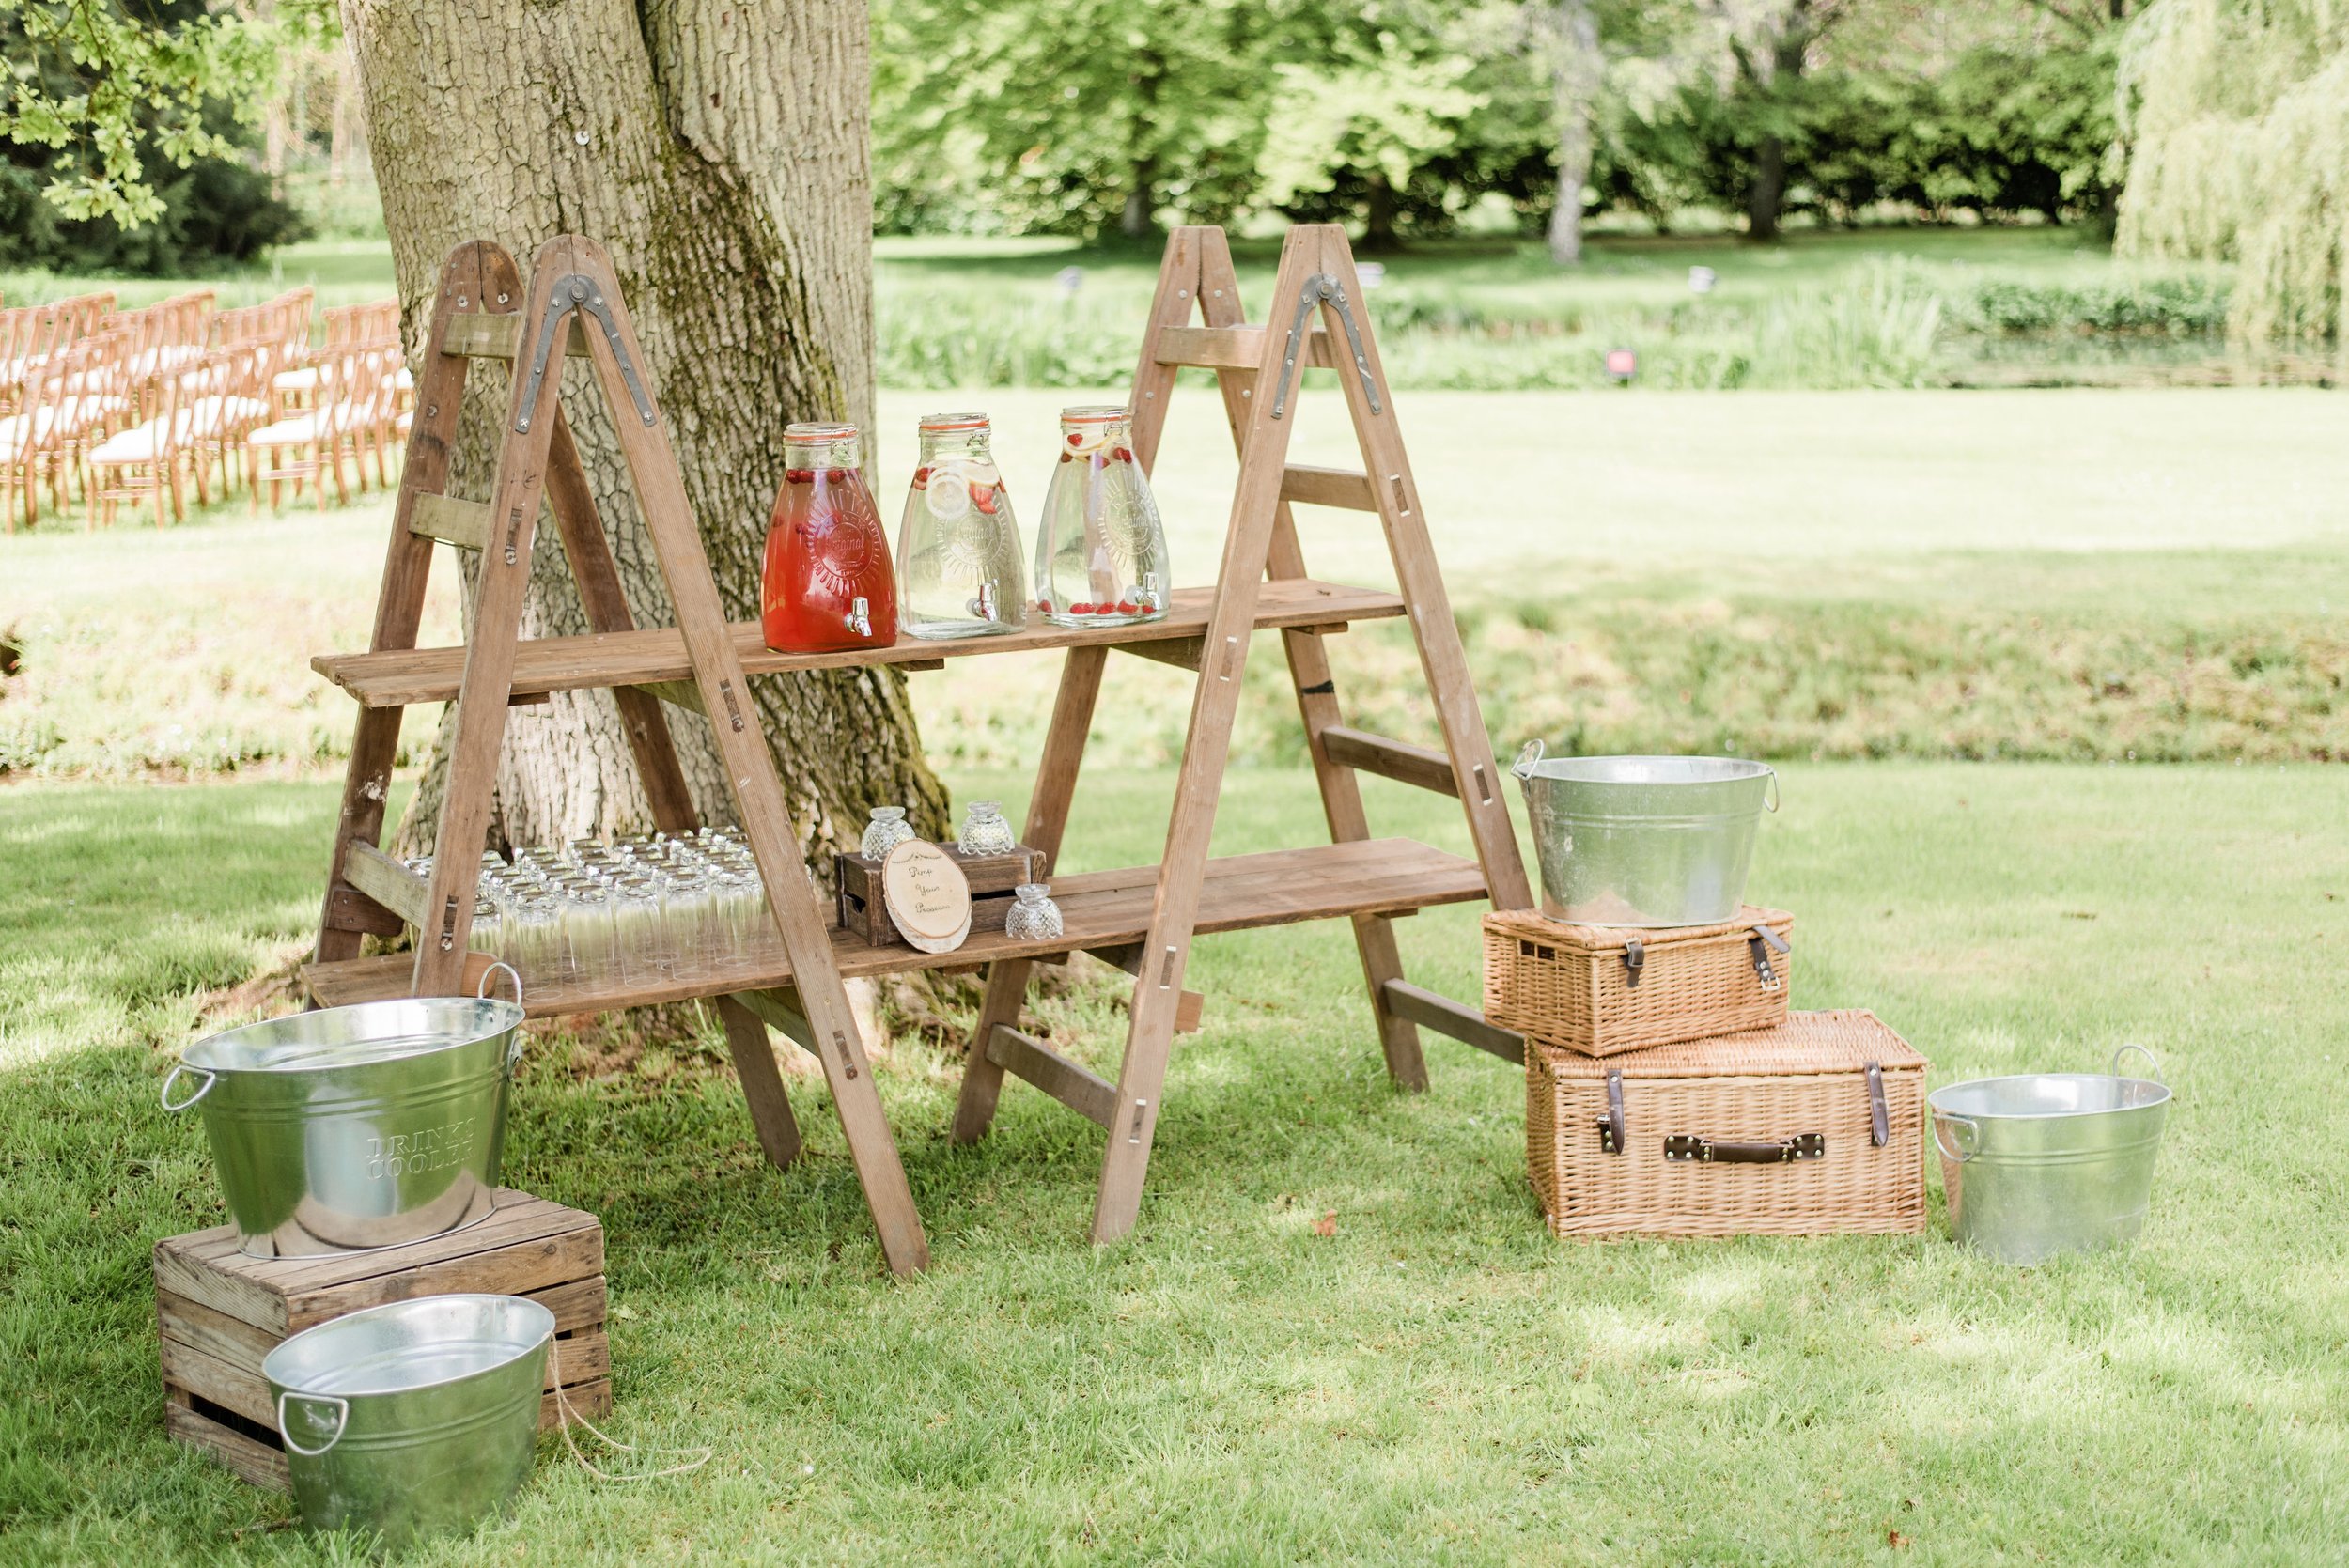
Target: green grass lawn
[(2076, 575), (1824, 308), (1436, 1381)]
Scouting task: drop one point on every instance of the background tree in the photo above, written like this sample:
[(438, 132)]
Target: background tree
[(1078, 116), (124, 136), (1567, 32), (717, 149), (2239, 148)]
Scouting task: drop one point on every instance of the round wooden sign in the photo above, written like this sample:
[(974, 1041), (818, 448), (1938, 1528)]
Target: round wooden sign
[(927, 896)]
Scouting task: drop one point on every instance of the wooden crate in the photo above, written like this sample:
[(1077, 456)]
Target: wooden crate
[(991, 879), (218, 1311), (1604, 989)]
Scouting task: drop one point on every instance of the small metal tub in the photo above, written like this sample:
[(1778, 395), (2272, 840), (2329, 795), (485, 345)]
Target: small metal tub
[(355, 1127), (416, 1418), (1643, 841), (2048, 1163)]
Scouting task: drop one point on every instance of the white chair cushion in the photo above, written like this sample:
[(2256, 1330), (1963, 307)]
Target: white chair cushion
[(301, 380), (134, 445)]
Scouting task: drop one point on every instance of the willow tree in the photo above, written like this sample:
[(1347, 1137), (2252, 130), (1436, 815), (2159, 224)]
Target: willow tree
[(2237, 126), (717, 149)]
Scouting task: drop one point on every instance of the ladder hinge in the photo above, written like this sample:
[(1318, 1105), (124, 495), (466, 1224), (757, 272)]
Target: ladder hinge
[(579, 292)]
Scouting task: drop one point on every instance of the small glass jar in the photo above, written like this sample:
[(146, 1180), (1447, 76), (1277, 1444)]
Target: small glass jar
[(885, 832), (827, 583), (959, 567), (1033, 916), (1101, 551), (640, 930), (984, 831)]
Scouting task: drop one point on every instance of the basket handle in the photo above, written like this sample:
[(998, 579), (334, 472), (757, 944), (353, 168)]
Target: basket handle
[(1696, 1147), (341, 1408), (2151, 1061), (1973, 1136), (211, 1079), (565, 1416), (1528, 759)]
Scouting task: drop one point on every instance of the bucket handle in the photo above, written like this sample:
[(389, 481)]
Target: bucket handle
[(285, 1428), (1973, 1136), (1528, 759), (481, 990), (1769, 791), (211, 1077), (2151, 1061), (481, 993), (566, 1416)]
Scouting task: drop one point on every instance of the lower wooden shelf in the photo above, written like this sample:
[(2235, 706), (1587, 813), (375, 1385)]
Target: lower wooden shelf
[(1100, 909)]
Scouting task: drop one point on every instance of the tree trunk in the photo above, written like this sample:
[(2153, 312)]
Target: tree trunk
[(1139, 218), (1767, 192), (1572, 41), (1378, 216), (718, 149), (1790, 50)]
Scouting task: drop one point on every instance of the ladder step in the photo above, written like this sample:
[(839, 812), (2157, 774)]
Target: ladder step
[(462, 523), (679, 693), (485, 335), (1446, 1017), (1328, 486), (1078, 1087), (385, 880), (1399, 760), (1229, 348), (1189, 1007)]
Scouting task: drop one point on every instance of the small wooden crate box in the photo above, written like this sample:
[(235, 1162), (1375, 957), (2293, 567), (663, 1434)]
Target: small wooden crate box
[(1812, 1128), (1601, 989), (993, 877), (219, 1311)]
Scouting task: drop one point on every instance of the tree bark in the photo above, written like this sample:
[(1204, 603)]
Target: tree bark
[(718, 149), (1790, 41), (1137, 219), (1571, 29)]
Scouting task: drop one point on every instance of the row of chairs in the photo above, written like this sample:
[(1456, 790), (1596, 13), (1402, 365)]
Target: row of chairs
[(134, 405)]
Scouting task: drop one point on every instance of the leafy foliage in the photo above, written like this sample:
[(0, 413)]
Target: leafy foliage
[(123, 129), (2240, 150)]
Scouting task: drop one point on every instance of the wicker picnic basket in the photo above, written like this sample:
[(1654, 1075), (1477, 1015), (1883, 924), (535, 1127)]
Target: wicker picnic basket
[(1811, 1127), (1602, 989)]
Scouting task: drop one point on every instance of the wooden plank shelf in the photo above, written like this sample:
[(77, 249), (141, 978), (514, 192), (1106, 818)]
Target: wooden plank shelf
[(401, 678), (1100, 909)]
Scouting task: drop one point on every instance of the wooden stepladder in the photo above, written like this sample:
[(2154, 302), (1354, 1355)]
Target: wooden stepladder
[(1316, 318), (573, 303), (1142, 917)]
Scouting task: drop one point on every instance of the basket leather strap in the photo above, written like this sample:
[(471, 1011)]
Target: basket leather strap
[(1634, 959), (1709, 1151), (1612, 1139), (1879, 1116), (1759, 946)]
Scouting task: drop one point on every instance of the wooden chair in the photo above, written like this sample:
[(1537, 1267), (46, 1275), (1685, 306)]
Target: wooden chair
[(144, 461), (304, 444), (220, 418)]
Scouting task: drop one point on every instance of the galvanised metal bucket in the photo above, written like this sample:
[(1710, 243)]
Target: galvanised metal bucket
[(2047, 1163), (414, 1419), (359, 1127), (1643, 841)]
